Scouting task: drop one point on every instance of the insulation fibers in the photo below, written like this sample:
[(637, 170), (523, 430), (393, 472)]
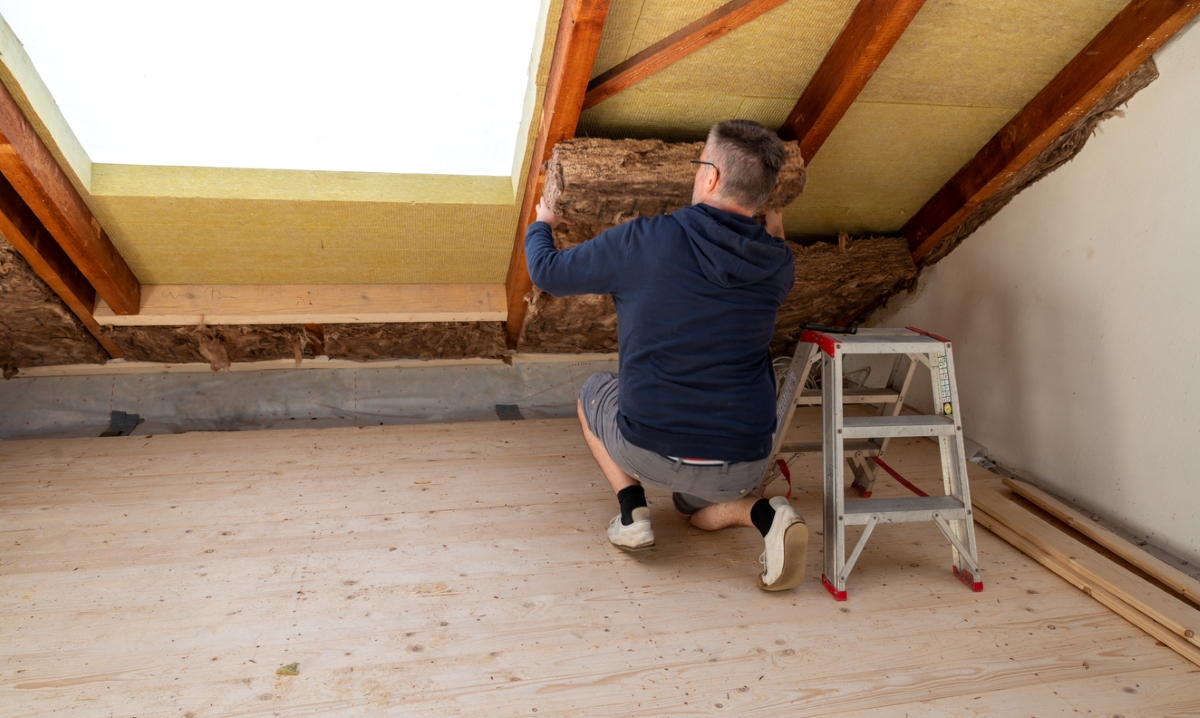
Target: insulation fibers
[(36, 328)]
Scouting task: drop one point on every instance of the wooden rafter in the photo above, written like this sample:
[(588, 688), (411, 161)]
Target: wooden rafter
[(31, 240), (575, 46), (1124, 44), (868, 37), (35, 175), (694, 36)]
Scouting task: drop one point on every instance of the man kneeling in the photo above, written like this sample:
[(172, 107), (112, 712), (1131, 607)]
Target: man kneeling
[(696, 293)]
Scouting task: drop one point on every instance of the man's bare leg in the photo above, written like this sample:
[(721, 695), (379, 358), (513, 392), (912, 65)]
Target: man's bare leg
[(786, 542), (720, 516), (615, 475), (635, 535)]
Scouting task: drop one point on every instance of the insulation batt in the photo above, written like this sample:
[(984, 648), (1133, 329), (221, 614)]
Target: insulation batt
[(219, 345), (444, 340), (222, 345), (36, 328), (602, 183), (597, 184)]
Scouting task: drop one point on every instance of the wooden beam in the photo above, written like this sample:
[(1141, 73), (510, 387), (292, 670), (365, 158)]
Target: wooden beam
[(868, 37), (48, 261), (41, 183), (1124, 44), (675, 46), (575, 46), (192, 304)]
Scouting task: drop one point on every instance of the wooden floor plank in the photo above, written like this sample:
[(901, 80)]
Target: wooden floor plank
[(463, 569)]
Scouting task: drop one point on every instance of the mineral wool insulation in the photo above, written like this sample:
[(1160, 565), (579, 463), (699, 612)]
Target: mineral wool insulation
[(36, 328), (597, 184)]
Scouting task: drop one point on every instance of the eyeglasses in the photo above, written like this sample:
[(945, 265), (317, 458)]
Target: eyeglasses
[(710, 164)]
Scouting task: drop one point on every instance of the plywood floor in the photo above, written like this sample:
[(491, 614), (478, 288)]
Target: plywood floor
[(463, 570)]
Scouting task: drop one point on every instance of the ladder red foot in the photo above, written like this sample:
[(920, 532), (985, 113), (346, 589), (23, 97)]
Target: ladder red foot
[(837, 595), (968, 580)]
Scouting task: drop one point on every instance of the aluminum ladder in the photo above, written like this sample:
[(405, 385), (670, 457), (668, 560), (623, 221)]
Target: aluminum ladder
[(860, 441)]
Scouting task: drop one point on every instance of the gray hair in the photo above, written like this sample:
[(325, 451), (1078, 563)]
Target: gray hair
[(748, 157)]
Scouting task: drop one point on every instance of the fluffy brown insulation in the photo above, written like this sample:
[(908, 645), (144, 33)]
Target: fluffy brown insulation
[(568, 325), (222, 345), (833, 282), (447, 340), (219, 345), (597, 184), (602, 183), (36, 328), (1060, 152)]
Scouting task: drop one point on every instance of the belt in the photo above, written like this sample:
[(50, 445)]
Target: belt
[(698, 462)]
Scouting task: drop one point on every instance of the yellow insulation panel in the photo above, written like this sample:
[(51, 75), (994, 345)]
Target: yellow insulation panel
[(304, 185), (174, 240), (961, 70), (750, 73), (197, 225), (883, 162), (986, 53), (958, 74)]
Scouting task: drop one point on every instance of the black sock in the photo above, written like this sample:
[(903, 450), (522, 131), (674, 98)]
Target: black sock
[(631, 497), (763, 515)]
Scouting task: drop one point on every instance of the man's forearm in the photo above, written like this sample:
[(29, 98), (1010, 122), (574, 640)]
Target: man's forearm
[(539, 252), (588, 268)]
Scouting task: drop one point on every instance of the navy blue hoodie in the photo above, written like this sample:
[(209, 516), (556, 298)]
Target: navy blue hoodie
[(696, 293)]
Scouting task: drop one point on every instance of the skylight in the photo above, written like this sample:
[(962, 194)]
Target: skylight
[(395, 86)]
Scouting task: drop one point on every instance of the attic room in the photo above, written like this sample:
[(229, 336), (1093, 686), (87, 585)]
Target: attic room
[(311, 355)]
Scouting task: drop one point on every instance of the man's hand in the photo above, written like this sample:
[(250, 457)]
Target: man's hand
[(545, 214), (774, 223)]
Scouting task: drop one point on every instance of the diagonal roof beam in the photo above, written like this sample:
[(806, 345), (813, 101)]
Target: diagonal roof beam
[(43, 186), (570, 67), (696, 35), (868, 37), (1124, 44), (48, 261)]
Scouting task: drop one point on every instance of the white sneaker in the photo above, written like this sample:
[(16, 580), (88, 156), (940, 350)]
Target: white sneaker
[(786, 551), (634, 537)]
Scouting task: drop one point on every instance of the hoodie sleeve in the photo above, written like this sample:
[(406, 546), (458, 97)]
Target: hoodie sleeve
[(593, 267)]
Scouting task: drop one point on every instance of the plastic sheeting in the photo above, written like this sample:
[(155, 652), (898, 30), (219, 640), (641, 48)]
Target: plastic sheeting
[(45, 407)]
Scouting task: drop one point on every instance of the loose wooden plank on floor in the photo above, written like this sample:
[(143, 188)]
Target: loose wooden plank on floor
[(1172, 577), (1092, 566)]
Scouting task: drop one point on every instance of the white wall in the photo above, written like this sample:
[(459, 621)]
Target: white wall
[(1075, 316)]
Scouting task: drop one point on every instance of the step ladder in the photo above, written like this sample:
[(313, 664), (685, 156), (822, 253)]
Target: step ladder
[(861, 441)]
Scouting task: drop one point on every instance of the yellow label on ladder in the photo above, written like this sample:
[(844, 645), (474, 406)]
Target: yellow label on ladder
[(944, 385)]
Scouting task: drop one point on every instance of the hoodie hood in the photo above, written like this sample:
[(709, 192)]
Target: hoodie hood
[(733, 250)]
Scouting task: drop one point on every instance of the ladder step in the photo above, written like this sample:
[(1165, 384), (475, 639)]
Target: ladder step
[(873, 427), (812, 397), (849, 448), (882, 344), (904, 510)]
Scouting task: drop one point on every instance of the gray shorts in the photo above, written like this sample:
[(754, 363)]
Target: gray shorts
[(693, 487)]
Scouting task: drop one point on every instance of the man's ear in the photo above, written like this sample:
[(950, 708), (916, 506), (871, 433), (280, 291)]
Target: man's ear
[(711, 179)]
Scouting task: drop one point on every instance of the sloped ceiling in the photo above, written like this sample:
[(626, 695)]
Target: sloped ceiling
[(962, 69), (958, 74)]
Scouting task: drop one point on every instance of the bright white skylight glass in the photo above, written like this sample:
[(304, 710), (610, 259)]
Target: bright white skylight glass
[(399, 86)]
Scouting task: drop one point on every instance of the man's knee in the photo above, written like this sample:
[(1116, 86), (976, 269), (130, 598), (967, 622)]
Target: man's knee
[(687, 504)]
